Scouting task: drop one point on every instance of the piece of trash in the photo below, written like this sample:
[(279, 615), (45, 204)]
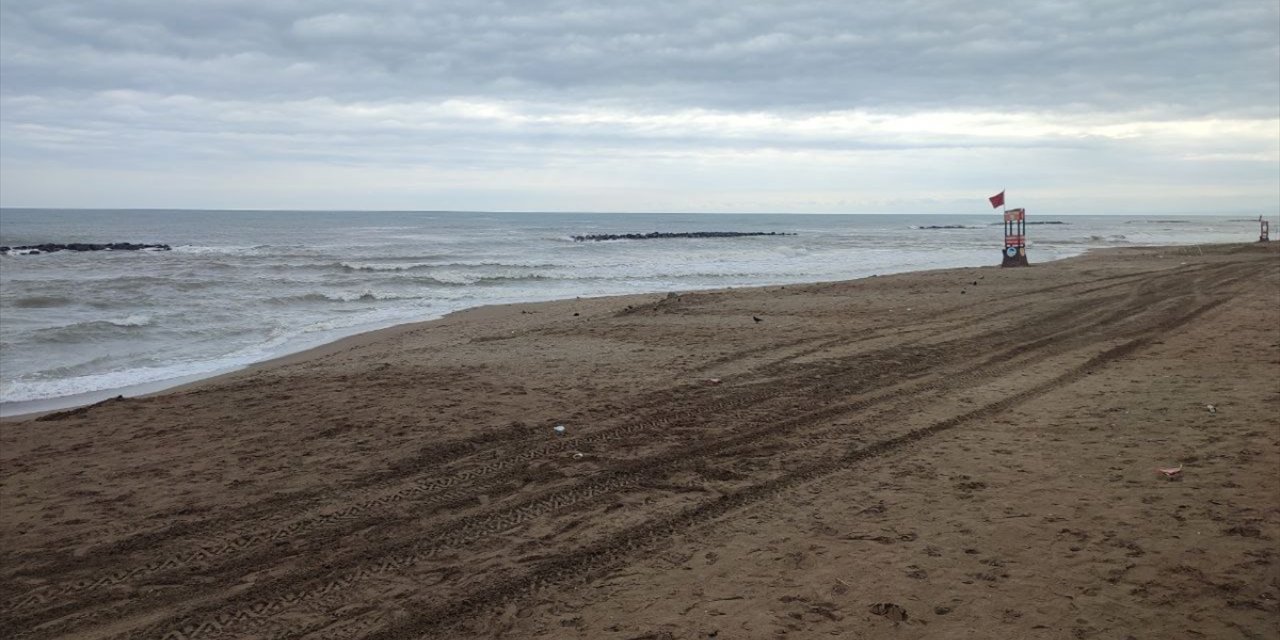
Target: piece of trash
[(578, 455), (559, 429), (713, 380), (1211, 408), (890, 610), (1171, 472)]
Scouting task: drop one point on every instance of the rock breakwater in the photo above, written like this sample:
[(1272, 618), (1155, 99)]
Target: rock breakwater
[(658, 235), (33, 249)]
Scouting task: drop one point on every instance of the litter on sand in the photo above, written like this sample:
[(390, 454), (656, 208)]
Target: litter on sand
[(1211, 408), (1171, 472), (894, 612), (713, 380), (559, 429), (578, 455)]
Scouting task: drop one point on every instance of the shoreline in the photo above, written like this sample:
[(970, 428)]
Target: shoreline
[(152, 389), (28, 409), (177, 364)]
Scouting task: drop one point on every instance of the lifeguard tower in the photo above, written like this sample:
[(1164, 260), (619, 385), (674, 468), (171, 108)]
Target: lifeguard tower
[(1015, 238)]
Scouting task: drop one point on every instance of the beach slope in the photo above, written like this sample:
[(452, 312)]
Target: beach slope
[(968, 453)]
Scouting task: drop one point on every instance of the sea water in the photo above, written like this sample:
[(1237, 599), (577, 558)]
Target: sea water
[(243, 286)]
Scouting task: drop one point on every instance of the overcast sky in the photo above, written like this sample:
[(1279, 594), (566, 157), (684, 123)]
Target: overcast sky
[(797, 106)]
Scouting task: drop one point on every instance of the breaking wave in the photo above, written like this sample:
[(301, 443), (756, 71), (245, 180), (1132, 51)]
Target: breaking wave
[(94, 330), (352, 267), (366, 296)]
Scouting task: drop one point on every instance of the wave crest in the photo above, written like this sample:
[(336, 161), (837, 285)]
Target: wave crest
[(365, 296), (94, 330)]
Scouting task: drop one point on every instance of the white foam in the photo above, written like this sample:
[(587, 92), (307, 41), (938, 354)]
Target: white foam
[(132, 320)]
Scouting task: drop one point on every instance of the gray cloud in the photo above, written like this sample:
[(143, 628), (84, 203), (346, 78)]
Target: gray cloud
[(1187, 57), (655, 88)]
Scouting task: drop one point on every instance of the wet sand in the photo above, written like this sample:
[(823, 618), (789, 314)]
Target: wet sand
[(968, 453)]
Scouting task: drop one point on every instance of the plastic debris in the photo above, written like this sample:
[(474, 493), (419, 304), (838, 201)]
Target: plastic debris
[(1211, 408), (559, 429), (894, 612), (713, 380), (578, 455), (1171, 472)]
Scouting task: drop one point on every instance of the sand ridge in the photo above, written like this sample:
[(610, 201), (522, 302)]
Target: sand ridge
[(959, 453)]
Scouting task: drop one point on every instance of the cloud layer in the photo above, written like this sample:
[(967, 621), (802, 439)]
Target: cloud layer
[(804, 106)]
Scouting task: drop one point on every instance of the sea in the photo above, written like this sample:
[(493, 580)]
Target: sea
[(240, 287)]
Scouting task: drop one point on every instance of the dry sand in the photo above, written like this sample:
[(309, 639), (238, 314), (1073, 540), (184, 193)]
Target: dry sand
[(914, 456)]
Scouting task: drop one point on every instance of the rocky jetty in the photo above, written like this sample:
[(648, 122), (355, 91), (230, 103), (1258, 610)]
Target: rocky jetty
[(83, 246), (658, 235)]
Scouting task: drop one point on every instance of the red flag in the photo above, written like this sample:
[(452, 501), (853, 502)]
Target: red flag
[(997, 200)]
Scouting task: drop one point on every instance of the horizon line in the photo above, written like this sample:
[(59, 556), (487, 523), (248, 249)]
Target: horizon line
[(589, 212)]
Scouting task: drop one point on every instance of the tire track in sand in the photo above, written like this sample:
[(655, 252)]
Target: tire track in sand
[(826, 388), (500, 522)]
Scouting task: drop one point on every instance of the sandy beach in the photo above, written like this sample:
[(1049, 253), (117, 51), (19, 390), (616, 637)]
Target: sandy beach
[(967, 453)]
